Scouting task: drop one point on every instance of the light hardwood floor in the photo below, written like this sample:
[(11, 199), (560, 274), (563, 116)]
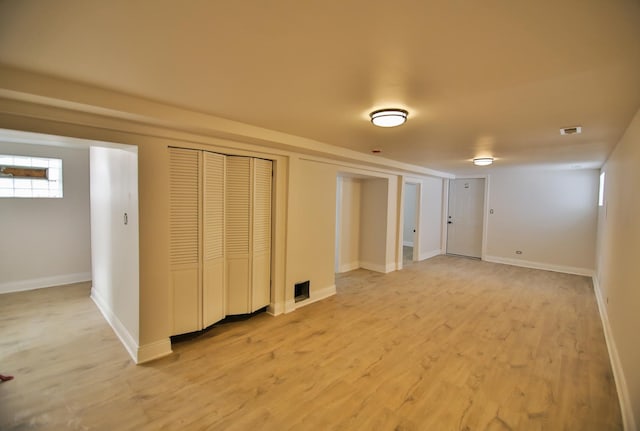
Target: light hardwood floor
[(445, 344)]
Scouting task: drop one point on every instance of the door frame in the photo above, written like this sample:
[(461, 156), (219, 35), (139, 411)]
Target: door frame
[(418, 213), (416, 238), (485, 211)]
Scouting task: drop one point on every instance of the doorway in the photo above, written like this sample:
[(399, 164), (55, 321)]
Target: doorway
[(100, 211), (465, 217), (410, 223), (361, 223)]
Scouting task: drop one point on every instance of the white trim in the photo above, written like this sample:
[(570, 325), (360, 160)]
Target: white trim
[(275, 309), (346, 267), (389, 267), (39, 283), (317, 295), (121, 331), (290, 306), (430, 254), (155, 350), (628, 421), (540, 265), (407, 243)]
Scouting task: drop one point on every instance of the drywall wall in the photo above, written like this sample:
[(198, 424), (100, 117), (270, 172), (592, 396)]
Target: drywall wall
[(431, 206), (409, 214), (47, 242), (348, 240), (114, 246), (373, 224), (311, 229), (618, 272), (550, 216)]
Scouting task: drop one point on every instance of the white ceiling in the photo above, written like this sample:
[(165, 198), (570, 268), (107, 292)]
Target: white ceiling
[(478, 78)]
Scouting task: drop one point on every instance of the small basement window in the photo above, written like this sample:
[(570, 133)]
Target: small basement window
[(30, 177)]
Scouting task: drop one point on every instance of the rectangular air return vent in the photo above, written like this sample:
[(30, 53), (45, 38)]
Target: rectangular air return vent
[(575, 130), (301, 291)]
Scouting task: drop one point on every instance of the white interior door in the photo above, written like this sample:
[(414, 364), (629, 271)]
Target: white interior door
[(465, 218), (213, 222), (184, 240), (261, 235), (238, 234)]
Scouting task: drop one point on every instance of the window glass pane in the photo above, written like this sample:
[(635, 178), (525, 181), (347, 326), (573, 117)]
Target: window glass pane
[(54, 174), (26, 187), (23, 193), (20, 183), (40, 184), (21, 161), (40, 163)]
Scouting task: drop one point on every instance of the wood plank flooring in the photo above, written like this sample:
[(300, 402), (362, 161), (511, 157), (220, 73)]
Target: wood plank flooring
[(445, 344)]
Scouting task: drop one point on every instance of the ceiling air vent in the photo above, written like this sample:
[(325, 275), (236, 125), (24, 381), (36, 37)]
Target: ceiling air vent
[(571, 130)]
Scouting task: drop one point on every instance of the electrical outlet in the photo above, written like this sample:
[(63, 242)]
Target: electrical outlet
[(518, 251)]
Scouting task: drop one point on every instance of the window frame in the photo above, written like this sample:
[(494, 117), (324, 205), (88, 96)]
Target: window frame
[(21, 187)]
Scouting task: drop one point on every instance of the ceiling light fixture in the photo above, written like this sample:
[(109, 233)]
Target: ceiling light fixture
[(483, 161), (389, 117)]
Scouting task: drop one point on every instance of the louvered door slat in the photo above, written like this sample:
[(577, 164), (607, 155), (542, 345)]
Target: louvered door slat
[(213, 288), (261, 235), (184, 239), (262, 206), (184, 191), (237, 225)]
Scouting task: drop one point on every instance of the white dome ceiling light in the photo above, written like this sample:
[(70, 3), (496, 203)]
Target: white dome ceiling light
[(389, 117), (483, 161)]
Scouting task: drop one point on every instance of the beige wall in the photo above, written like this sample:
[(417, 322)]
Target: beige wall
[(348, 229), (50, 238), (618, 270), (431, 217), (373, 224), (550, 216), (311, 225)]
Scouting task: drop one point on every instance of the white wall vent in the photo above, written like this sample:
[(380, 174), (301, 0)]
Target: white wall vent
[(575, 130)]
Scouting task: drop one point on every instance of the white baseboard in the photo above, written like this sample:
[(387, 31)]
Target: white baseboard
[(628, 420), (314, 296), (275, 308), (346, 267), (407, 243), (39, 283), (289, 306), (379, 268), (139, 354), (540, 265), (430, 254), (121, 331), (155, 350)]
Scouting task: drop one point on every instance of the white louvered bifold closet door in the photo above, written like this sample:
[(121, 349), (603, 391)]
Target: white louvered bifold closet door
[(237, 234), (261, 238), (184, 242), (213, 265)]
